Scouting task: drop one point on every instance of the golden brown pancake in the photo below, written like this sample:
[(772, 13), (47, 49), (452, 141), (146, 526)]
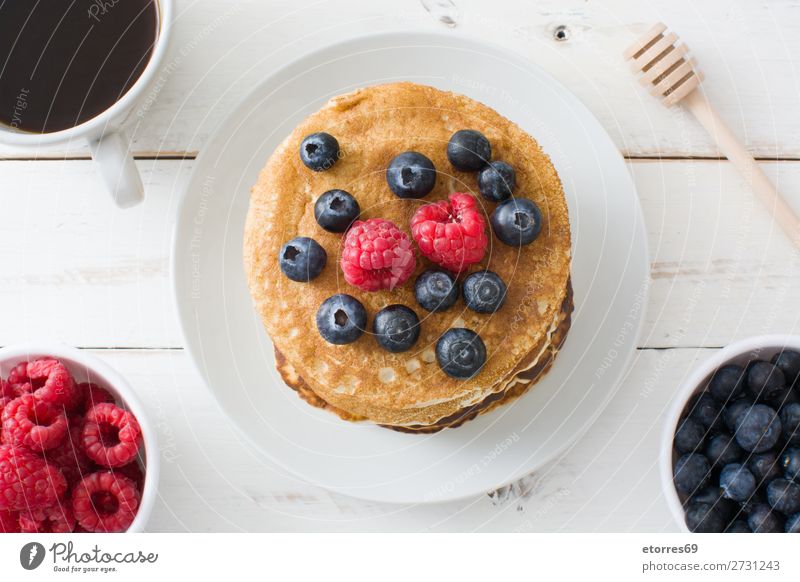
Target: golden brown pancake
[(407, 390)]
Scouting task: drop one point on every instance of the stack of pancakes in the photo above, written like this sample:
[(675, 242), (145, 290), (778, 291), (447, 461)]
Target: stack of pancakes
[(407, 391)]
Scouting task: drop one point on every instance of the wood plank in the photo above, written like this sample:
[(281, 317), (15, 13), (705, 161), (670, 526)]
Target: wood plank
[(77, 270), (214, 481), (748, 51)]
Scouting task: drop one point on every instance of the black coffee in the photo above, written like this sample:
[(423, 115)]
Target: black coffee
[(62, 62)]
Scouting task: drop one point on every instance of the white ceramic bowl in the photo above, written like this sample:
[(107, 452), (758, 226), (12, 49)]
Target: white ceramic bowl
[(87, 368), (759, 347)]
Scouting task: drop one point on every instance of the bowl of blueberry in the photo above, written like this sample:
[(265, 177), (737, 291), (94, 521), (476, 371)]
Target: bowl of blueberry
[(732, 441)]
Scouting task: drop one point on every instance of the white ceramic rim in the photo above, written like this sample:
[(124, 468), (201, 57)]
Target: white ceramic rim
[(694, 384), (99, 123), (116, 383)]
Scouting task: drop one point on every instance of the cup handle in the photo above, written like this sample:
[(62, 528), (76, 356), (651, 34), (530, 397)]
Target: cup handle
[(117, 169)]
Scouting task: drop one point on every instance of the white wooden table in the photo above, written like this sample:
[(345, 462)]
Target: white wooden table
[(77, 270)]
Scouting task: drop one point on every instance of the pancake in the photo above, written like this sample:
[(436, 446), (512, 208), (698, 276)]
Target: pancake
[(361, 381)]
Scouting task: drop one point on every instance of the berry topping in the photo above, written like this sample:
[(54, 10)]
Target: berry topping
[(691, 473), (451, 234), (105, 502), (111, 436), (484, 292), (788, 361), (377, 255), (727, 383), (33, 424), (335, 210), (461, 353), (517, 221), (469, 150), (341, 319), (319, 151), (411, 175), (737, 482), (27, 481), (764, 380), (758, 428), (54, 519), (436, 290), (302, 259), (396, 328), (497, 181)]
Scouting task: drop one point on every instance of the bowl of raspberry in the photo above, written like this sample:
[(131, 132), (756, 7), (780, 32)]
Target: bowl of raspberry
[(731, 442), (77, 453)]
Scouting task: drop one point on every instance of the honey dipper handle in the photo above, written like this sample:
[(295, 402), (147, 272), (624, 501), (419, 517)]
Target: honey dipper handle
[(783, 214)]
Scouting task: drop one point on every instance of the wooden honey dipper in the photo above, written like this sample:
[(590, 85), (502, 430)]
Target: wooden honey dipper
[(673, 77)]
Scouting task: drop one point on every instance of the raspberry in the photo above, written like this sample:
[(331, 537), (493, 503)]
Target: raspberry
[(111, 436), (55, 519), (52, 382), (70, 457), (377, 255), (133, 472), (105, 502), (451, 234), (9, 522), (6, 390), (91, 394), (27, 481), (33, 424)]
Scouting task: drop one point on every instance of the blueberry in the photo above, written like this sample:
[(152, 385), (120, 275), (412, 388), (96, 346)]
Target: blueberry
[(790, 419), (793, 523), (690, 436), (788, 361), (764, 467), (335, 210), (484, 292), (733, 410), (713, 496), (436, 290), (497, 181), (790, 462), (411, 175), (341, 319), (691, 473), (469, 150), (782, 398), (756, 499), (758, 428), (738, 526), (319, 151), (396, 328), (517, 221), (302, 259), (784, 496), (460, 353), (722, 450), (762, 519), (707, 411), (727, 383), (764, 380), (704, 518), (737, 482)]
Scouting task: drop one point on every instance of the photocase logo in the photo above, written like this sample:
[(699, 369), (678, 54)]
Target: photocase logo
[(31, 555)]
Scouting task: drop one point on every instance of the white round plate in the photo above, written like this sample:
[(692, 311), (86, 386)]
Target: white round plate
[(232, 351)]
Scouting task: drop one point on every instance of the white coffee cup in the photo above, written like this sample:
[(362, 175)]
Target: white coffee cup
[(104, 132)]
